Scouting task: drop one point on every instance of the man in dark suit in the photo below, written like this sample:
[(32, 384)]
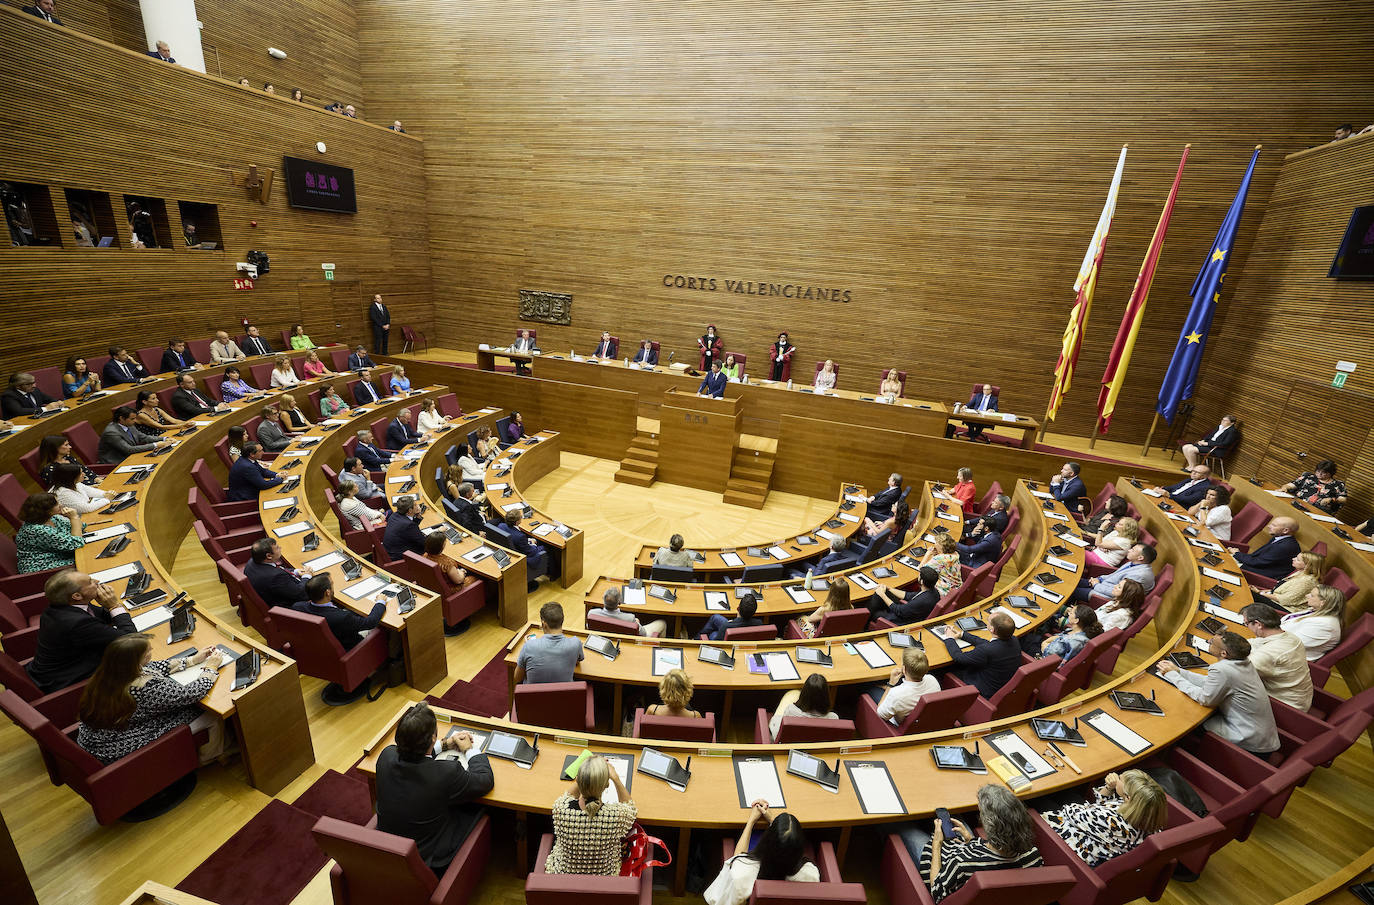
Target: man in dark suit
[(380, 316), (983, 401), (163, 52), (607, 348), (400, 432), (523, 343), (121, 438), (839, 557), (536, 557), (984, 548), (276, 582), (374, 458), (881, 503), (189, 402), (990, 664), (431, 799), (403, 530), (248, 477), (254, 344), (44, 9), (1190, 491), (360, 360), (646, 355), (81, 618), (719, 624), (1274, 558), (176, 357), (913, 606), (466, 512), (1218, 443), (1067, 487), (122, 368), (25, 398), (346, 625), (995, 519), (714, 383), (365, 392)]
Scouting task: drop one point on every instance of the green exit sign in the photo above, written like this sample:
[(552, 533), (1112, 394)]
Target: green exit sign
[(1339, 379), (329, 275)]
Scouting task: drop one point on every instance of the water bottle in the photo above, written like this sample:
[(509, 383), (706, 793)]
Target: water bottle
[(789, 383), (807, 584)]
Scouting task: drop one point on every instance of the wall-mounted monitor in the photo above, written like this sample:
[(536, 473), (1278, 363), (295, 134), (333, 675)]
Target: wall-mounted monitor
[(318, 186), (1355, 258)]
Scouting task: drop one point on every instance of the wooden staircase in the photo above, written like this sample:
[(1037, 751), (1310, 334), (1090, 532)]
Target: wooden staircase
[(751, 471), (640, 464)]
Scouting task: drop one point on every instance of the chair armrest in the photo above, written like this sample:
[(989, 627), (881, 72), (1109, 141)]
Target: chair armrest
[(62, 708), (127, 782), (469, 861), (901, 877), (869, 724), (761, 735), (793, 633), (1205, 779), (1297, 723), (591, 712), (1231, 760), (828, 864), (1324, 702), (1056, 851)]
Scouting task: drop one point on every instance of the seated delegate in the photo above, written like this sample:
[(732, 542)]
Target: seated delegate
[(1125, 809), (1218, 443), (811, 702), (836, 600), (825, 377), (1123, 608), (1318, 623), (132, 700), (550, 656), (122, 368), (1214, 511), (1320, 488), (587, 831), (403, 532), (905, 687), (150, 417), (81, 619), (719, 623), (891, 387), (427, 796), (981, 403), (248, 477), (1193, 488), (943, 557), (607, 347), (731, 369), (234, 387), (1291, 592), (1243, 714), (779, 854), (78, 380), (1109, 549), (72, 494), (299, 340), (1135, 568), (989, 664), (56, 449), (1067, 487), (269, 575), (313, 368), (24, 398), (1274, 557), (675, 696), (645, 356), (347, 626), (610, 609), (1279, 657), (49, 534), (904, 608)]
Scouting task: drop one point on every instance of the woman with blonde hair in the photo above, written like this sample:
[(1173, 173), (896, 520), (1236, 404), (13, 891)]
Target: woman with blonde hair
[(1111, 548), (1124, 810), (400, 383), (1319, 623), (891, 386), (293, 419), (1290, 593), (283, 375), (587, 830), (825, 377), (314, 368), (675, 690), (944, 558), (837, 598)]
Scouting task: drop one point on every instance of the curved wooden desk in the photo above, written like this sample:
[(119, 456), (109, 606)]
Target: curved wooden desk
[(716, 568), (524, 463), (269, 716)]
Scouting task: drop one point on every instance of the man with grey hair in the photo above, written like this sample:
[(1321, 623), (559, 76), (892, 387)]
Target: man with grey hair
[(82, 617), (881, 503), (994, 519), (24, 398), (610, 609), (224, 349), (1243, 714)]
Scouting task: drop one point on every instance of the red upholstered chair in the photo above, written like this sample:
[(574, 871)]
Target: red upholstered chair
[(151, 356), (49, 380), (340, 360), (164, 398), (228, 528), (12, 497), (584, 889), (30, 462), (359, 540), (19, 613), (1077, 672), (96, 363), (253, 610), (963, 595), (383, 381), (217, 549), (61, 707), (765, 632), (675, 728), (1245, 524), (318, 653), (1098, 504), (1337, 579), (115, 789), (1356, 637), (212, 384), (1142, 872), (741, 359), (1029, 886), (86, 442), (458, 605), (839, 622), (820, 366), (984, 586), (449, 406), (1334, 709), (411, 337), (557, 705), (200, 348), (831, 890), (941, 710), (798, 729), (378, 428), (1013, 697), (262, 375), (982, 505), (608, 626), (380, 557), (213, 493), (371, 866)]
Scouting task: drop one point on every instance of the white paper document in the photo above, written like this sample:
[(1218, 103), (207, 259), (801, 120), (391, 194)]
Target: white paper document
[(339, 421), (777, 552), (1021, 621), (149, 618), (821, 532), (513, 507), (1363, 548), (543, 530), (1221, 576), (1058, 516), (633, 597), (1119, 732), (1222, 612), (1010, 743), (280, 504), (1199, 644), (1153, 491), (1178, 517), (1203, 544), (295, 453), (501, 486), (873, 655), (1061, 563), (107, 533), (1074, 539), (781, 667), (128, 469), (863, 581), (873, 785), (731, 559), (666, 658), (1047, 594), (107, 575), (366, 587), (1280, 494), (324, 562), (758, 778), (1042, 494), (717, 601), (849, 517), (855, 498), (948, 516), (293, 528), (399, 479), (1322, 517), (477, 555)]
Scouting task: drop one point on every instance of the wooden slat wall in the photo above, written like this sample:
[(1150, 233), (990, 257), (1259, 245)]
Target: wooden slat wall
[(1286, 324), (946, 162), (183, 136)]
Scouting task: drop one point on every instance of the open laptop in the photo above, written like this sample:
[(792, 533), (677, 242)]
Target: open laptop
[(209, 246), (105, 242)]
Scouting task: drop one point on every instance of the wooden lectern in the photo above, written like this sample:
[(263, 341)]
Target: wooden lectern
[(697, 438)]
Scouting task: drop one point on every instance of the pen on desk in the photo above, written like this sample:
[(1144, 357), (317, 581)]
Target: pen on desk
[(1068, 760), (688, 767)]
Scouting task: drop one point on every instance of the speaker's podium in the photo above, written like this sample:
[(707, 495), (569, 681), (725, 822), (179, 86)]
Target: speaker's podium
[(697, 438)]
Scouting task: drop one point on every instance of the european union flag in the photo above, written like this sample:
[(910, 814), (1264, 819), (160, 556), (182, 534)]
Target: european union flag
[(1206, 292)]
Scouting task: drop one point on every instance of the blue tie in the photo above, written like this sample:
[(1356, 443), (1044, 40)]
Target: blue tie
[(181, 358)]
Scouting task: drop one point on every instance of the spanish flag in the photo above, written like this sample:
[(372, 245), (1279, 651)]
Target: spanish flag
[(1115, 375), (1083, 297)]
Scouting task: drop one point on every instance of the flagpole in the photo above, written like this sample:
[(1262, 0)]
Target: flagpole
[(1097, 427), (1145, 450)]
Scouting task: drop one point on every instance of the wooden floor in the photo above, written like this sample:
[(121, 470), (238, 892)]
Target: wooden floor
[(73, 861)]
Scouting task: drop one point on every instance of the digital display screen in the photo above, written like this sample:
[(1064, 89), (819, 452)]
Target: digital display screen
[(317, 186), (1355, 257)]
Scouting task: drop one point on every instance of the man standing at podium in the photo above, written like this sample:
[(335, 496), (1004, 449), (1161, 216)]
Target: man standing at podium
[(714, 384)]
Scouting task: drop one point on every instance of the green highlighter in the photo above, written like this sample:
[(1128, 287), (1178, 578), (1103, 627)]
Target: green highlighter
[(577, 762)]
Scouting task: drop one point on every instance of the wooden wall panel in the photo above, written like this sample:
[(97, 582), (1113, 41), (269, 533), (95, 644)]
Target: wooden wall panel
[(1281, 331), (944, 162), (185, 137)]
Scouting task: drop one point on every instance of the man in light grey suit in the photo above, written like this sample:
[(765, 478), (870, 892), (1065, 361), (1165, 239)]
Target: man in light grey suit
[(270, 433), (523, 343), (225, 349), (122, 439)]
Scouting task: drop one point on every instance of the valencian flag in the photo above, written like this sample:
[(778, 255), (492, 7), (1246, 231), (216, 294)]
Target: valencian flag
[(1192, 339), (1083, 297), (1115, 375)]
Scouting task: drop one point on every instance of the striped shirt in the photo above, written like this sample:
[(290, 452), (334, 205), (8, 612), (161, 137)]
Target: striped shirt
[(960, 860)]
